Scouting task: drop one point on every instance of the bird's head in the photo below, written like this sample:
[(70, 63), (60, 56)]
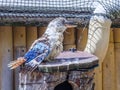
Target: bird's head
[(61, 24)]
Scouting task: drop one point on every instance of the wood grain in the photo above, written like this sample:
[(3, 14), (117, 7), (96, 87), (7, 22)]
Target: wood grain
[(6, 55)]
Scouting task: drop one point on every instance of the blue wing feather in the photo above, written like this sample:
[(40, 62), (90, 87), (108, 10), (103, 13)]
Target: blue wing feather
[(39, 49)]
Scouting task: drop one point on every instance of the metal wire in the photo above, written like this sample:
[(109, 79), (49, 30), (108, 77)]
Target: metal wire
[(35, 11), (112, 7)]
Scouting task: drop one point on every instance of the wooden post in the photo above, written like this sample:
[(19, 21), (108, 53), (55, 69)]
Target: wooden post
[(111, 40), (106, 69), (41, 31), (19, 36), (69, 34), (98, 77), (109, 76), (117, 55), (31, 35), (69, 39), (109, 69), (6, 55), (82, 37)]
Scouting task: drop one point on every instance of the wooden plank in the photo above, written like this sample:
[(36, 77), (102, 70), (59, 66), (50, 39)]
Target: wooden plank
[(82, 37), (19, 37), (69, 36), (102, 72), (109, 76), (31, 35), (111, 40), (41, 31), (6, 55), (116, 35), (98, 77), (117, 60)]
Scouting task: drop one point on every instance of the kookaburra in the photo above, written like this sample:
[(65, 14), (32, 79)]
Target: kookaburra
[(46, 47)]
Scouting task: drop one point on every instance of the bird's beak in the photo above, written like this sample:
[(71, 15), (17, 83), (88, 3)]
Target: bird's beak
[(70, 24)]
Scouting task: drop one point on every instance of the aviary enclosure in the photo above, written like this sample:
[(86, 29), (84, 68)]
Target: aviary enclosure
[(23, 21)]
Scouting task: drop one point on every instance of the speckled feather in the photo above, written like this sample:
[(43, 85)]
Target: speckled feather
[(44, 48)]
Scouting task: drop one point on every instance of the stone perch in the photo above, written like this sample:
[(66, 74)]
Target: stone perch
[(69, 71)]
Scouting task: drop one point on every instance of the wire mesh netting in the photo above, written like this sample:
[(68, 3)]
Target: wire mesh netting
[(112, 7), (36, 10)]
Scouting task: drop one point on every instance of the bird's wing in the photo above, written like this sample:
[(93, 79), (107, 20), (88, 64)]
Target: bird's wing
[(39, 50), (41, 39), (39, 47), (33, 64)]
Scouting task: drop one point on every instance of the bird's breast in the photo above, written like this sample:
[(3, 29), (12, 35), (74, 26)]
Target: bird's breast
[(57, 46)]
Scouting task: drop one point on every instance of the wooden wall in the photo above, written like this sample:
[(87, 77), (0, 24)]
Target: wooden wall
[(14, 41)]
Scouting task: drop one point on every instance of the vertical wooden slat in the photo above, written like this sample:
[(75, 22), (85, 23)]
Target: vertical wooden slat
[(117, 60), (117, 35), (111, 40), (98, 77), (82, 38), (109, 76), (19, 36), (6, 55), (31, 35), (116, 32), (41, 31), (69, 37)]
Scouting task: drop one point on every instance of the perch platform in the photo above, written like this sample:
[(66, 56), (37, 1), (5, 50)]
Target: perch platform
[(69, 68)]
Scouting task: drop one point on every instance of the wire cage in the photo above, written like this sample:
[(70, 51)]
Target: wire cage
[(37, 11)]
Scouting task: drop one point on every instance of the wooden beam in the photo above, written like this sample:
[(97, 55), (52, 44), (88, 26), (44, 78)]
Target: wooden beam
[(98, 77), (116, 32), (109, 74), (19, 37), (31, 35), (117, 62), (117, 35), (41, 31), (6, 55), (69, 36), (82, 36), (111, 40)]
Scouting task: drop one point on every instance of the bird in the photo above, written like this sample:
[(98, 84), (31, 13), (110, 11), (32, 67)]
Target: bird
[(45, 48)]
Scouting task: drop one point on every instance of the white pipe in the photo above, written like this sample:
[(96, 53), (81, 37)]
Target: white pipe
[(98, 34)]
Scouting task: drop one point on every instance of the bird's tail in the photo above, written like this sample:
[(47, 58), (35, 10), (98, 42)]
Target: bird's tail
[(16, 63)]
